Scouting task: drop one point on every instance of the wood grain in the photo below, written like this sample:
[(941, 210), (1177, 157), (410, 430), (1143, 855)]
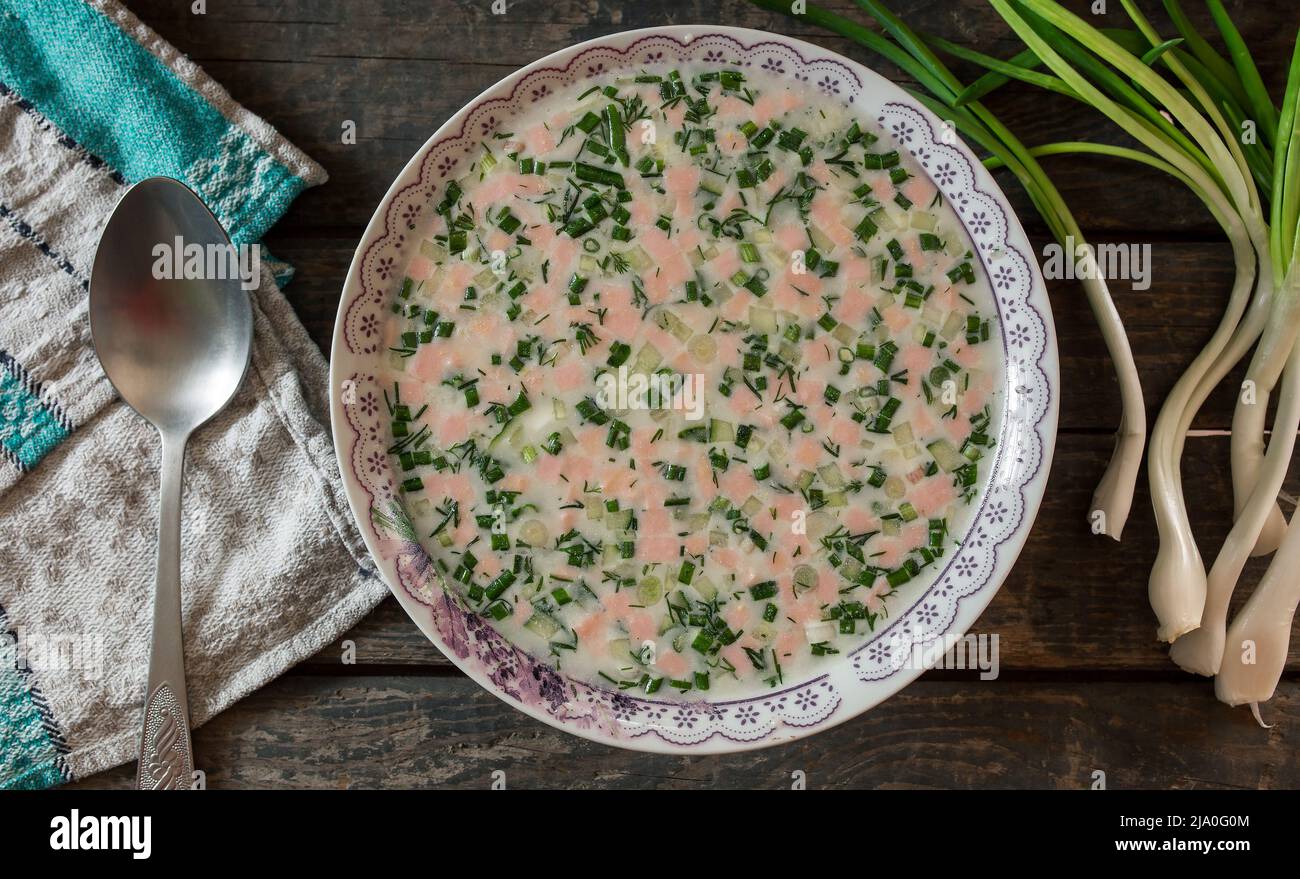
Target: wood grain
[(386, 731)]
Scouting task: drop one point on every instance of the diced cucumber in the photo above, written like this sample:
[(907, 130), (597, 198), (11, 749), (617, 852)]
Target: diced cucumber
[(924, 220), (954, 324), (704, 588), (638, 259), (649, 591), (845, 334), (830, 474), (903, 434), (946, 456), (534, 532), (894, 488), (647, 359), (762, 320), (702, 347), (543, 625)]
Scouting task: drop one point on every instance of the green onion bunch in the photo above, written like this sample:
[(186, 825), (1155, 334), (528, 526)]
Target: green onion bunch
[(1191, 112)]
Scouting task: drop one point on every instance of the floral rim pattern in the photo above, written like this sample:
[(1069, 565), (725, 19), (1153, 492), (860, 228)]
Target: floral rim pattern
[(1006, 505)]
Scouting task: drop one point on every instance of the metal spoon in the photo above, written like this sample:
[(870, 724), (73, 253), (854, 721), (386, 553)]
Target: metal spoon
[(176, 350)]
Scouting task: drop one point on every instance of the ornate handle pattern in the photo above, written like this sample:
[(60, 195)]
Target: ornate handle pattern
[(166, 762)]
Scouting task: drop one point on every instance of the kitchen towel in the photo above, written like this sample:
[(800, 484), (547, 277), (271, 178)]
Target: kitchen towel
[(273, 567)]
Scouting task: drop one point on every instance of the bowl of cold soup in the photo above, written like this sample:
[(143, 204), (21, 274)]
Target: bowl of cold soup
[(694, 388)]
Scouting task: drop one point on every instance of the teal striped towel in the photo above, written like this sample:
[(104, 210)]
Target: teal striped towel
[(91, 100)]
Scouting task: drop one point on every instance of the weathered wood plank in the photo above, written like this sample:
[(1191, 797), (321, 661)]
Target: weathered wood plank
[(1074, 601), (400, 67), (323, 732)]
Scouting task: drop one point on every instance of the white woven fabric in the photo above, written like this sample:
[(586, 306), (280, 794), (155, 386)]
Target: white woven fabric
[(273, 567)]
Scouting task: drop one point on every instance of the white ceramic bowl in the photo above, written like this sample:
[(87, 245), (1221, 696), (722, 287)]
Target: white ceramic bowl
[(885, 662)]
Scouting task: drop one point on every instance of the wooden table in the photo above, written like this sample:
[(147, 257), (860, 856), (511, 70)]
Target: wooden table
[(1084, 686)]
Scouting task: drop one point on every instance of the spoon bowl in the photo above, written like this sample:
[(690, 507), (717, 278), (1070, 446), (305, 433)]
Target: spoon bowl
[(175, 348), (173, 328)]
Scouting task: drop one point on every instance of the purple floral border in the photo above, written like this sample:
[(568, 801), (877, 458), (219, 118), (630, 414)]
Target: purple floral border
[(617, 717)]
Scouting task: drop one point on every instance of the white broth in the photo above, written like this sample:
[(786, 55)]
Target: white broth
[(694, 377)]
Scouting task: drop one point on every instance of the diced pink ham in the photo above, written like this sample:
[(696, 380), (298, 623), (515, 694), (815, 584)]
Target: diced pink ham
[(662, 548), (640, 625), (725, 264), (828, 213), (967, 356), (791, 237), (569, 376), (654, 523), (846, 432), (808, 452), (737, 483), (933, 494), (539, 140), (789, 641), (670, 263), (919, 190), (860, 520), (548, 468), (617, 603), (736, 615), (420, 269), (896, 318), (589, 630), (452, 428), (672, 664), (916, 359)]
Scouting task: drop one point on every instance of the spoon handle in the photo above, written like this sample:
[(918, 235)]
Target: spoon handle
[(166, 756)]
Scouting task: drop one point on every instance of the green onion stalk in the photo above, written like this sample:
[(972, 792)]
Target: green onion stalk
[(1209, 159), (1265, 620), (900, 45), (1178, 582)]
